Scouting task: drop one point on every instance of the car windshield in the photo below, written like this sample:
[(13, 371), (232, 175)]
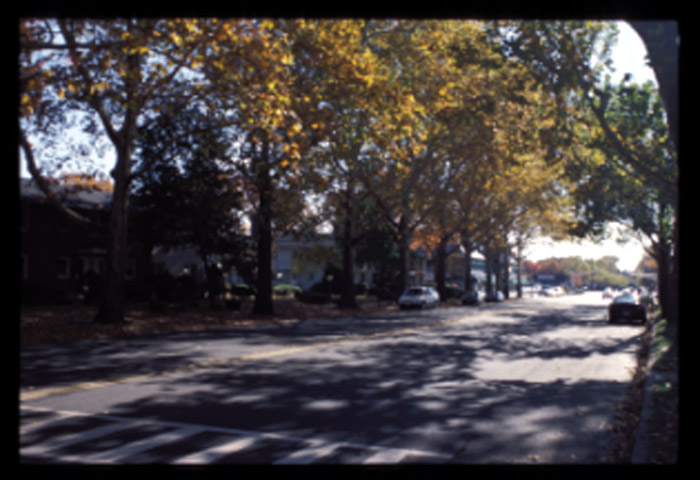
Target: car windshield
[(626, 298)]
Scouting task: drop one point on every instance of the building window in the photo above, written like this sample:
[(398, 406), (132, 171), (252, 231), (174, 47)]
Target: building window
[(94, 264), (63, 267)]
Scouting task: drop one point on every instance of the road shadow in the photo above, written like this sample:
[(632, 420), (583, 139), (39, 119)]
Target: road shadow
[(421, 392), (111, 359)]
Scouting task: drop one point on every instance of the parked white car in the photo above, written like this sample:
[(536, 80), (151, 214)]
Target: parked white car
[(419, 297), (553, 291)]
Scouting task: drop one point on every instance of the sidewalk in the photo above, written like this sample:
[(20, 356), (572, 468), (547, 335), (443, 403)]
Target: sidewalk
[(657, 435)]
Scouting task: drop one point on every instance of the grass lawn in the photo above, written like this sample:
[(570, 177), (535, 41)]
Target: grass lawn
[(66, 323)]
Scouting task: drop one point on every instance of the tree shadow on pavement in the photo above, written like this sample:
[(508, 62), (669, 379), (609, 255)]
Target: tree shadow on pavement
[(419, 392)]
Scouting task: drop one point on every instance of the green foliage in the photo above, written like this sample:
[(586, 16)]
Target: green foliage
[(187, 198), (426, 130)]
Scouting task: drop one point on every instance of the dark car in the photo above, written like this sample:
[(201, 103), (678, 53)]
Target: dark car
[(495, 296), (627, 307), (472, 297)]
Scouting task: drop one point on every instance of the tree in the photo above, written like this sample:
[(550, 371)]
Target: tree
[(188, 199), (662, 41), (610, 190), (430, 89), (252, 68), (562, 56), (346, 80), (379, 250), (119, 75)]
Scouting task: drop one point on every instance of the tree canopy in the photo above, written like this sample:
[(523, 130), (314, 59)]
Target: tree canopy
[(472, 132)]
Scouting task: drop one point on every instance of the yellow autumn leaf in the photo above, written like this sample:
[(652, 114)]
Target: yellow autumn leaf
[(284, 163), (294, 129)]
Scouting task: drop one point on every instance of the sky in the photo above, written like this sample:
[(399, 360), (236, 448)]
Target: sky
[(628, 254), (628, 57)]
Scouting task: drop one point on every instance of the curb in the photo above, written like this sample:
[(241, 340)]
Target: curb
[(640, 452)]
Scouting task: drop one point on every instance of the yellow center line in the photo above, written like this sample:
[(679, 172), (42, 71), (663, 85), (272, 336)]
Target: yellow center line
[(36, 394)]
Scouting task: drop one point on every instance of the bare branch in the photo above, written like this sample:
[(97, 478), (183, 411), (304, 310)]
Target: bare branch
[(46, 189)]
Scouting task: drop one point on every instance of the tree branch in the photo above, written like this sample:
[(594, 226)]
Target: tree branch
[(46, 189)]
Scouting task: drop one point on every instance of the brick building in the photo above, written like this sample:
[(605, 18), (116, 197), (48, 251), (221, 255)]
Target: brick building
[(58, 257)]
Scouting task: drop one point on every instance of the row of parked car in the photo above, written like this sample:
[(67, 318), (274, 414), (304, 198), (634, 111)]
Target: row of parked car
[(424, 297), (629, 305)]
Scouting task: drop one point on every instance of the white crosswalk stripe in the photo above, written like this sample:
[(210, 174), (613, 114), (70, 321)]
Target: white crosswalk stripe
[(308, 455), (213, 454), (124, 452), (68, 439), (385, 456), (233, 442)]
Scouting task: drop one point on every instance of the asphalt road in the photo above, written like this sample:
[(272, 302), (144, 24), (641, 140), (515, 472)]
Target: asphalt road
[(529, 381)]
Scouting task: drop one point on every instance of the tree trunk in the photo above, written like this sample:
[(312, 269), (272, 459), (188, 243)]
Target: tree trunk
[(506, 273), (662, 258), (488, 267), (111, 308), (263, 304), (347, 297), (403, 253), (440, 261), (468, 248), (519, 285), (675, 275), (498, 270)]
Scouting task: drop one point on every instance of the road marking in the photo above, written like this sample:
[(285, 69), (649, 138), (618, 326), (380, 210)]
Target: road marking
[(308, 455), (125, 451), (61, 441), (37, 394), (216, 452), (310, 450), (385, 456)]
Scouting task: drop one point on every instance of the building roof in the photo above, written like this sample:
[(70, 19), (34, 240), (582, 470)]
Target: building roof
[(74, 196)]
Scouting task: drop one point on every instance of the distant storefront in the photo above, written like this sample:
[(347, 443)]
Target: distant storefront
[(551, 279)]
